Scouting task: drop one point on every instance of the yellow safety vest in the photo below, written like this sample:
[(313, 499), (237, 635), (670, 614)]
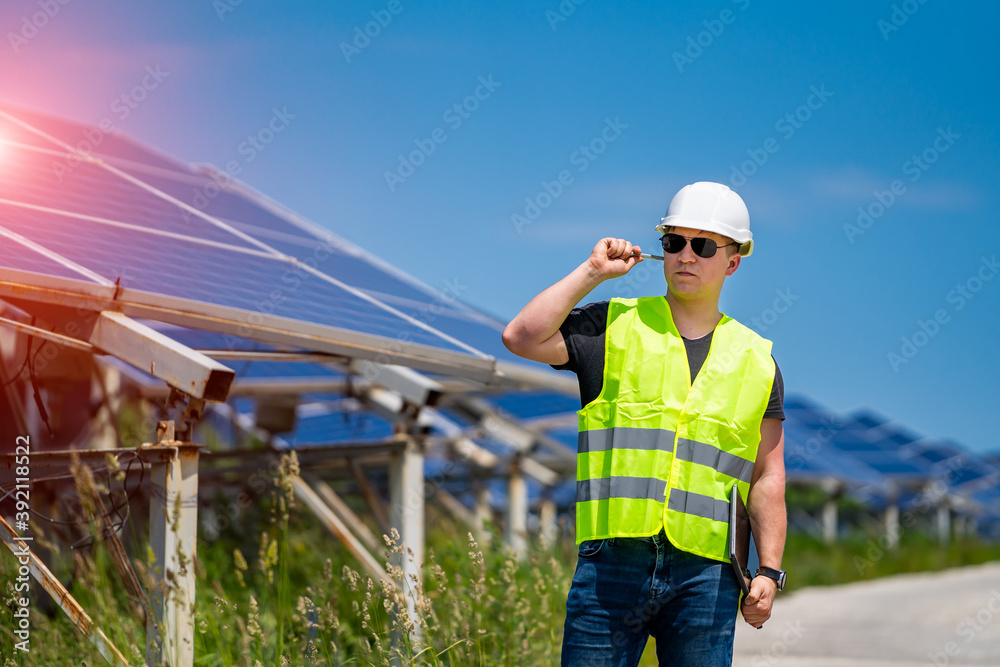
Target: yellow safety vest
[(655, 450)]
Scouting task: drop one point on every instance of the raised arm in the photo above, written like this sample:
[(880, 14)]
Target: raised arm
[(534, 334)]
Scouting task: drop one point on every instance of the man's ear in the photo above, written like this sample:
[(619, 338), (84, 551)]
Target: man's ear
[(734, 263)]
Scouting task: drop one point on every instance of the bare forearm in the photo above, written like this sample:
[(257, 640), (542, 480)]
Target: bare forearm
[(766, 508), (541, 318)]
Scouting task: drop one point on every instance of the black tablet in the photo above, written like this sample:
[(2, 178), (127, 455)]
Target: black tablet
[(740, 540)]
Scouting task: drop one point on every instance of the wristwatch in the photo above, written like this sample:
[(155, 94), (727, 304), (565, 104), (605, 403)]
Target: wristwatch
[(778, 575)]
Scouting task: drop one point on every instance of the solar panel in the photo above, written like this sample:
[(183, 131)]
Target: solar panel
[(339, 427), (125, 225), (206, 194), (209, 274), (16, 255), (528, 405), (90, 140), (32, 178)]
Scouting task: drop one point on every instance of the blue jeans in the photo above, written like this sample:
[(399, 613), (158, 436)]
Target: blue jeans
[(628, 588)]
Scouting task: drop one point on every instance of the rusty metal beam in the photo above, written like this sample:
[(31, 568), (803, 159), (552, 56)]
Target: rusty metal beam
[(59, 339), (347, 515), (66, 602), (162, 357), (339, 530), (374, 500)]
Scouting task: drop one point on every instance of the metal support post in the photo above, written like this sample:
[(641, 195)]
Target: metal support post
[(943, 523), (173, 523), (484, 513), (517, 512), (406, 493), (548, 531), (830, 521), (892, 524)]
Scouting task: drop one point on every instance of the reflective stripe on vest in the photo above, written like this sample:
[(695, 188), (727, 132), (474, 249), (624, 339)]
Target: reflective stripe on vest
[(656, 451)]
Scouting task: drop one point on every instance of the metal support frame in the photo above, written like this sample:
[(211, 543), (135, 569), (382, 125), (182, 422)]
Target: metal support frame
[(891, 519), (548, 530), (943, 521), (456, 509), (173, 525), (375, 502), (338, 528), (483, 509), (162, 357), (406, 493), (29, 560), (829, 521), (347, 515), (516, 534)]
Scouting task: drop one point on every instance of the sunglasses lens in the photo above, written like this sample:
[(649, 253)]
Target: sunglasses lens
[(673, 243), (703, 247)]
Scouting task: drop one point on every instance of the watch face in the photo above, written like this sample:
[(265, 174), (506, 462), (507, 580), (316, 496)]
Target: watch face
[(781, 580)]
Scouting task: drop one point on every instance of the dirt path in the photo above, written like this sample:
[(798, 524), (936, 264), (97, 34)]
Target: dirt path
[(933, 618)]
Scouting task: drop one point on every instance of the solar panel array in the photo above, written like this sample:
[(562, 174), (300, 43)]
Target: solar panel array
[(159, 226)]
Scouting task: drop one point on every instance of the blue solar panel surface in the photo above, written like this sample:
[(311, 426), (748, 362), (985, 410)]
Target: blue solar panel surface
[(87, 189), (213, 275), (89, 140), (531, 404), (31, 178), (16, 255)]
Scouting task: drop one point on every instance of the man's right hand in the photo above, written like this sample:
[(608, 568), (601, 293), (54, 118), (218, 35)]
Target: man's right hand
[(613, 257), (534, 334)]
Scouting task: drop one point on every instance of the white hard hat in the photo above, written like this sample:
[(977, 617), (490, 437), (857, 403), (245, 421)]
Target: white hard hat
[(710, 207)]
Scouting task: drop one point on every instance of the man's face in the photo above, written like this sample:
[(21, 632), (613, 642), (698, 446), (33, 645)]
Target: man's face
[(690, 276)]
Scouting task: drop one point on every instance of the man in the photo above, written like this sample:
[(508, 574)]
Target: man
[(680, 403)]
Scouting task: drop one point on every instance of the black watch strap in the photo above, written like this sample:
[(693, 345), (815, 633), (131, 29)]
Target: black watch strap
[(771, 573)]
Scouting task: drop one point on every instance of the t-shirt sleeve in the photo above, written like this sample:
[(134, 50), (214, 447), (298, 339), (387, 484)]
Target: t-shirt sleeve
[(775, 405), (583, 330)]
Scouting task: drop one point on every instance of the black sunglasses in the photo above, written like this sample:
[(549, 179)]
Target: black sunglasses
[(702, 246)]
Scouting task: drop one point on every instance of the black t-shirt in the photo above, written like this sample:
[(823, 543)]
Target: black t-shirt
[(583, 330)]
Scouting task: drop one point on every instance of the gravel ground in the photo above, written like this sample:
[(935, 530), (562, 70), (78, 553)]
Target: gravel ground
[(930, 618)]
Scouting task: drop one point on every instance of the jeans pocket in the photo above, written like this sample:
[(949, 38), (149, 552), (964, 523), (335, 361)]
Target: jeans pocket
[(590, 548)]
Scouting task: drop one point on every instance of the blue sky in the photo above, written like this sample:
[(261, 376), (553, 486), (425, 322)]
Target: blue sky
[(680, 94)]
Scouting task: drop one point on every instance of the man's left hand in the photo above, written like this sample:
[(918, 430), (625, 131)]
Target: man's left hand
[(756, 606)]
